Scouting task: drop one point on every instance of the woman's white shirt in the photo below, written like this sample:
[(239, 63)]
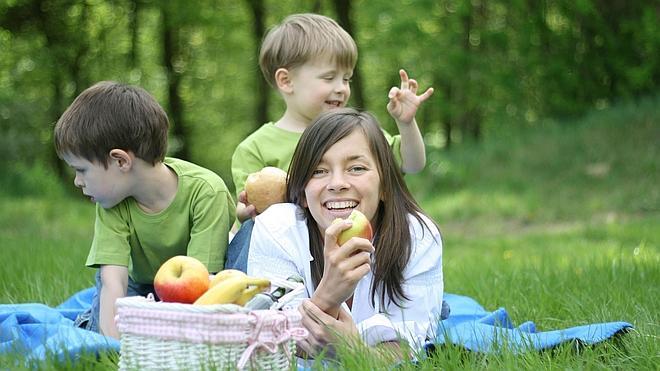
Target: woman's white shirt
[(279, 247)]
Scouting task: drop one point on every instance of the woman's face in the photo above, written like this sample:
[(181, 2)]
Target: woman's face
[(346, 178)]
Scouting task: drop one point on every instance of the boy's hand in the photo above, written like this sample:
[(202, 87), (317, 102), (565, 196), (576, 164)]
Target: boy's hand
[(244, 210), (404, 101)]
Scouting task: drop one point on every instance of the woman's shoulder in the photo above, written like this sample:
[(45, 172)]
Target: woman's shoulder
[(426, 251), (282, 218), (423, 228), (281, 227), (283, 213)]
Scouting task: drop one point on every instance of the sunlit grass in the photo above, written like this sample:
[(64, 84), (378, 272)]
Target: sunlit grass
[(557, 224), (47, 241)]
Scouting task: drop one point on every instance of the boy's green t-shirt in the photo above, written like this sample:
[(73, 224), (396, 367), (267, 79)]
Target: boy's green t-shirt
[(272, 146), (196, 224)]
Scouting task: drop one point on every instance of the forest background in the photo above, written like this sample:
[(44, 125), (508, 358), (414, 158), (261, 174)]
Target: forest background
[(495, 65)]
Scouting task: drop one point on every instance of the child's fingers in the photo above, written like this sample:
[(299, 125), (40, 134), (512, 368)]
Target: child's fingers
[(404, 79), (427, 94), (393, 93), (412, 85)]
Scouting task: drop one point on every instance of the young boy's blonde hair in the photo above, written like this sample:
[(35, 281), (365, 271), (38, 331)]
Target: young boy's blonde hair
[(301, 38), (111, 115)]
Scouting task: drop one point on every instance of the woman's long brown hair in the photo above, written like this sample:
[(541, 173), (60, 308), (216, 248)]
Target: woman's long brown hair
[(392, 231)]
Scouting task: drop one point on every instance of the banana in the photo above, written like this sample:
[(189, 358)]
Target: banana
[(233, 287), (224, 274), (247, 294), (256, 285), (264, 283), (224, 293)]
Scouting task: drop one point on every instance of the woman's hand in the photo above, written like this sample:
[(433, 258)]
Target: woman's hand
[(324, 330), (344, 267)]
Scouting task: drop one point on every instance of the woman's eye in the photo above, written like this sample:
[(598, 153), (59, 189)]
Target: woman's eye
[(317, 172), (358, 168)]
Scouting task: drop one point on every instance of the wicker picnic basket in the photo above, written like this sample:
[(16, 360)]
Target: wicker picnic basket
[(171, 336)]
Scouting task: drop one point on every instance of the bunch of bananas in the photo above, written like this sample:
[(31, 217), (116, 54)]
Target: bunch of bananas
[(232, 286)]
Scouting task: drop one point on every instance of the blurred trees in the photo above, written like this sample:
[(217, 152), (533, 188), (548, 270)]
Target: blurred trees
[(492, 63)]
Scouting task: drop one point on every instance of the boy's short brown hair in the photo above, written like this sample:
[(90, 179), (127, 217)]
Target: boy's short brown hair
[(302, 37), (111, 115)]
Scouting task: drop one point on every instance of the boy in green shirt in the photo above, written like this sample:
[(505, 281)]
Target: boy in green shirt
[(149, 208), (310, 59)]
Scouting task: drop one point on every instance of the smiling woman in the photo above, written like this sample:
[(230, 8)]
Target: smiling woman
[(387, 290)]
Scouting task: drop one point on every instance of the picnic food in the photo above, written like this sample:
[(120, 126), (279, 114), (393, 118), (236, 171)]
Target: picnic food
[(224, 274), (181, 279), (265, 187), (236, 289), (360, 228)]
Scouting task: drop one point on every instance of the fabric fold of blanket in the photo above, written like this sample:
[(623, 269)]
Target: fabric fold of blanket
[(40, 332), (469, 325)]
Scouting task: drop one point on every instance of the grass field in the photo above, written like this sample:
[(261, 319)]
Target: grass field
[(558, 223)]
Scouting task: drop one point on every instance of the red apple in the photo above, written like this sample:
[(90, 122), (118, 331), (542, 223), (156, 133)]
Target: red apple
[(181, 279), (360, 228), (265, 187)]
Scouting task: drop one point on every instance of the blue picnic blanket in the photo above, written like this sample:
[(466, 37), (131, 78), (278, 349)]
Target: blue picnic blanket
[(39, 331), (471, 326)]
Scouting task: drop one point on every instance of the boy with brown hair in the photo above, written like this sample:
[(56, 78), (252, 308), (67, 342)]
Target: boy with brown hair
[(149, 207)]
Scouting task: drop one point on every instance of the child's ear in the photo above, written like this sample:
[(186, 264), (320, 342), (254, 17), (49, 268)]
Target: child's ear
[(283, 80), (123, 159)]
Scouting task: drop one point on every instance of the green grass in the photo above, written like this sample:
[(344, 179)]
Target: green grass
[(557, 223)]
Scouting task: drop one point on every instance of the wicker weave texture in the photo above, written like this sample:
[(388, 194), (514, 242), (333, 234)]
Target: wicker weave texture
[(171, 336)]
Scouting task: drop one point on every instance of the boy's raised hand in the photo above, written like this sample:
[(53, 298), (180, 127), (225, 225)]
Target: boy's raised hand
[(404, 101)]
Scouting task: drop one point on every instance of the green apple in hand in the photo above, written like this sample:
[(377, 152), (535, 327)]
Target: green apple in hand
[(360, 228)]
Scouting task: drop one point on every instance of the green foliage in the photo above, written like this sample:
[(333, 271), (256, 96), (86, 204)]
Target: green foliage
[(491, 63), (21, 179)]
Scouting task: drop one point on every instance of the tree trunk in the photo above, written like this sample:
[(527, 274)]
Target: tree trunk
[(134, 25), (175, 104), (263, 89), (343, 8), (470, 120), (447, 116)]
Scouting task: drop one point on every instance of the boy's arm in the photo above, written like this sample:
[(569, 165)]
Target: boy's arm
[(403, 106), (114, 284)]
